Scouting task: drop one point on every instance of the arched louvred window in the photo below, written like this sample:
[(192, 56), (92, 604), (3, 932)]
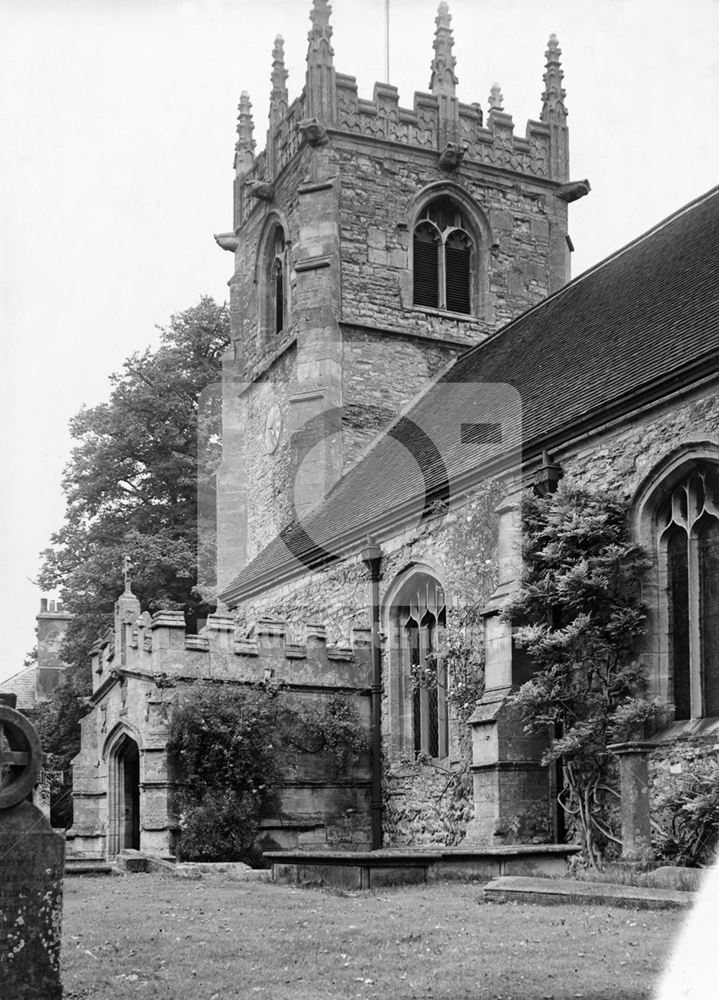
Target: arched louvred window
[(421, 616), (457, 256), (279, 292), (427, 243), (274, 313), (444, 256), (689, 531)]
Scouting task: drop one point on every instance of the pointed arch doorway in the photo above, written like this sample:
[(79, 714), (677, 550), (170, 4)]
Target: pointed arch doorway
[(124, 818)]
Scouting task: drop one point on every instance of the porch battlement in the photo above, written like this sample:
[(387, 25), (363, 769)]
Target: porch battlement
[(158, 646)]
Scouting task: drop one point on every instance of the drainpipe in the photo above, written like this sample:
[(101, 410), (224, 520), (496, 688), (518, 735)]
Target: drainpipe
[(371, 556)]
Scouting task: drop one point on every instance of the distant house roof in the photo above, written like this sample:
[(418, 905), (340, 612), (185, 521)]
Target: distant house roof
[(639, 325), (22, 684)]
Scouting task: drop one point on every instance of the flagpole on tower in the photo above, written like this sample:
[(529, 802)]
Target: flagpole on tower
[(386, 36)]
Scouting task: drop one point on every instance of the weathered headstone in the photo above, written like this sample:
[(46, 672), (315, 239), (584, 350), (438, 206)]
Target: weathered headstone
[(32, 858)]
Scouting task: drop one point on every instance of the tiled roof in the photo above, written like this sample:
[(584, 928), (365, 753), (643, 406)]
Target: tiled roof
[(21, 684), (635, 327)]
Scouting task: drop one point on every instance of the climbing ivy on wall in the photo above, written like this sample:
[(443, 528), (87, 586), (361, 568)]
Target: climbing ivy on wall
[(582, 614), (471, 576), (228, 745)]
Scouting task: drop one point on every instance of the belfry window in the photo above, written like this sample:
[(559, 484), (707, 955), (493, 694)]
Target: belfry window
[(277, 282), (443, 254), (688, 522), (420, 618)]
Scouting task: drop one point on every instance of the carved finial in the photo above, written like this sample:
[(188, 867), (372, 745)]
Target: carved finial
[(443, 79), (320, 88), (127, 572), (278, 97), (244, 156), (321, 27), (553, 107), (496, 99)]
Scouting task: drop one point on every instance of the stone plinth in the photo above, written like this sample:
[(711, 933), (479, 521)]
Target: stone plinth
[(636, 815)]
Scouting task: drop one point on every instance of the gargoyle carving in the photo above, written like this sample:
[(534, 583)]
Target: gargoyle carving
[(263, 190), (452, 156), (573, 190), (312, 132)]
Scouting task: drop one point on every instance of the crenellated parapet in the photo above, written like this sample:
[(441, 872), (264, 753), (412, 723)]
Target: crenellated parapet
[(143, 666), (330, 99), (157, 646)]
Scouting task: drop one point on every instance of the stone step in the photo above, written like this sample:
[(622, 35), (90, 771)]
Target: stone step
[(88, 868), (553, 892)]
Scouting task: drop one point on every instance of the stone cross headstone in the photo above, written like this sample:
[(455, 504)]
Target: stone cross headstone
[(32, 859)]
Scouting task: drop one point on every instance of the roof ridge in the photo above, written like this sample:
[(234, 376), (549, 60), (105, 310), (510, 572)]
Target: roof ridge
[(574, 282)]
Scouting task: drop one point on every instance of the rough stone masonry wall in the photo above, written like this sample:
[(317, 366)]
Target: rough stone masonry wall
[(269, 477), (622, 457), (379, 188), (423, 803), (369, 399)]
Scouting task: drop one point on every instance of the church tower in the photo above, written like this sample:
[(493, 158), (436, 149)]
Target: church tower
[(372, 243)]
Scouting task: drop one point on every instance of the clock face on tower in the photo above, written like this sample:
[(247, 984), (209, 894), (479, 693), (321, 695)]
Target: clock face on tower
[(273, 428)]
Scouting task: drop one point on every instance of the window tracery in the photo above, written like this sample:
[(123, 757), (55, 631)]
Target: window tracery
[(688, 526), (420, 616), (443, 258)]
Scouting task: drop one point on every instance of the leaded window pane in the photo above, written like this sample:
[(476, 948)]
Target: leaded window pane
[(689, 519), (678, 571), (708, 554)]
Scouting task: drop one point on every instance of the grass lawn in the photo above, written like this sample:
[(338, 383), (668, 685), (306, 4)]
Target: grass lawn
[(154, 936)]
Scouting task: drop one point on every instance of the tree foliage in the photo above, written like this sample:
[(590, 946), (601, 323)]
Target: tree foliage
[(582, 616), (132, 479), (229, 746), (57, 721)]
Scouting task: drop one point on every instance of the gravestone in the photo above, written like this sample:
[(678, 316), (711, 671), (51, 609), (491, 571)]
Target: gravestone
[(32, 858)]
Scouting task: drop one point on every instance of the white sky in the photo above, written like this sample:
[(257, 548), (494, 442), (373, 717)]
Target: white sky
[(116, 149)]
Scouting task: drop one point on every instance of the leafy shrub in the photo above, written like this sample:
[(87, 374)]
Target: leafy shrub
[(57, 721), (225, 745), (582, 615), (221, 743), (684, 798)]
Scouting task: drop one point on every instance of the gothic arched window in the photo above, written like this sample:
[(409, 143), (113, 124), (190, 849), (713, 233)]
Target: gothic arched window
[(419, 617), (688, 524), (443, 254), (277, 282)]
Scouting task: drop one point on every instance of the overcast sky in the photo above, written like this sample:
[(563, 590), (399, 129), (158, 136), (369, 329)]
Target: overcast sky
[(116, 149)]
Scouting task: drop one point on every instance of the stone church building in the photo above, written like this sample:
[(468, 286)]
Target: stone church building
[(405, 335)]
